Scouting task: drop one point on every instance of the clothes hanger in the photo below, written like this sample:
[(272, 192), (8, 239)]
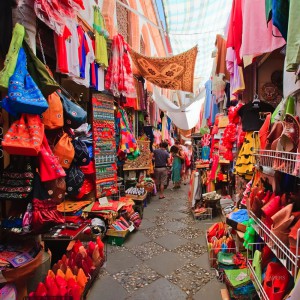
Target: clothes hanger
[(256, 101)]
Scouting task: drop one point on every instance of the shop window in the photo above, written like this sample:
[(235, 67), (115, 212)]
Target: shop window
[(123, 21)]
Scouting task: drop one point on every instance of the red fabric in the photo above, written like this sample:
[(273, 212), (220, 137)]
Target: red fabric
[(113, 207), (61, 50), (131, 102), (93, 69), (234, 38), (49, 166), (82, 44)]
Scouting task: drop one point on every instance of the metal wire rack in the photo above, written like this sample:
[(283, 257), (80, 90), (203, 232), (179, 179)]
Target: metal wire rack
[(257, 284), (286, 162), (280, 250)]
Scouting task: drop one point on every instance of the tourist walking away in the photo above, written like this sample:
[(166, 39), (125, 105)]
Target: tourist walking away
[(161, 161)]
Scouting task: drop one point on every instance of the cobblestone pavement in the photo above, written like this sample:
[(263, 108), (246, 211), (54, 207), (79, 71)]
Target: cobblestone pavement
[(165, 259)]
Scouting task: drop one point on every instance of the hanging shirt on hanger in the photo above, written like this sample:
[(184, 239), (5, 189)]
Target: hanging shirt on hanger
[(83, 50), (72, 44), (61, 51), (251, 120)]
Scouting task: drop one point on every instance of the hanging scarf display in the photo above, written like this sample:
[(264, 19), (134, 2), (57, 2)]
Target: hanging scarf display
[(128, 142), (119, 77)]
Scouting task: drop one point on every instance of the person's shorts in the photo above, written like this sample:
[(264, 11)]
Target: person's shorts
[(161, 175)]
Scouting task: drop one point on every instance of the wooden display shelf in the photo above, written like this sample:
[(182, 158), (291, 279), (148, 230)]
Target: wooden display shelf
[(135, 169)]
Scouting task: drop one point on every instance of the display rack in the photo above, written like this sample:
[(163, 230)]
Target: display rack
[(257, 284), (104, 145), (285, 162), (280, 250)]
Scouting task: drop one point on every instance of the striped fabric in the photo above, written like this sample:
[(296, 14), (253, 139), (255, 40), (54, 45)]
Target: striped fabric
[(192, 22)]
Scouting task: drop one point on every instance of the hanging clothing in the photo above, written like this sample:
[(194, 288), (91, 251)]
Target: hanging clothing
[(249, 114), (83, 50), (208, 99), (235, 29), (62, 65), (257, 37), (280, 16), (293, 38), (237, 84), (119, 77), (72, 45), (221, 57), (89, 59), (246, 160), (100, 37)]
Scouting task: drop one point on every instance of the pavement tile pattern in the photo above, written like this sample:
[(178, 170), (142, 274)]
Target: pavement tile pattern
[(165, 259)]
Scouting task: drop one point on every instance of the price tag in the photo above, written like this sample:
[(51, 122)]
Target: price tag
[(131, 227), (103, 201)]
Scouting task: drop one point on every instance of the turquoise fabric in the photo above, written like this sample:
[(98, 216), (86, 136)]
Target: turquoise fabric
[(176, 169)]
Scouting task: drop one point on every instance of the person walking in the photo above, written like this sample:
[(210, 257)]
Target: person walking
[(161, 161), (178, 157)]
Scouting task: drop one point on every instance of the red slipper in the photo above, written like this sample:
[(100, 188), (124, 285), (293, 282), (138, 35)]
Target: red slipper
[(163, 197)]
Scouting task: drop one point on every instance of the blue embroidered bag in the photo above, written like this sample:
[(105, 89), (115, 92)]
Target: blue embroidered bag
[(74, 115), (23, 95)]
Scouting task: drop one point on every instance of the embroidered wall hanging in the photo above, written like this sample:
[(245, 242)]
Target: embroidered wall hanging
[(175, 73)]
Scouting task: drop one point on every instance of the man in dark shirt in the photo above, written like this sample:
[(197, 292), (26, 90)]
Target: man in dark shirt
[(161, 161)]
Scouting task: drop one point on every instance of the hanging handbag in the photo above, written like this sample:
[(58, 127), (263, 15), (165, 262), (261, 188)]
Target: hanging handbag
[(74, 180), (82, 156), (53, 117), (64, 150), (45, 213), (23, 95), (49, 166), (39, 71), (74, 115), (17, 179), (25, 136), (56, 189)]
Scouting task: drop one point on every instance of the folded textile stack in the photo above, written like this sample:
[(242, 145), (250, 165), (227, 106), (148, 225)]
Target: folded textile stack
[(239, 284)]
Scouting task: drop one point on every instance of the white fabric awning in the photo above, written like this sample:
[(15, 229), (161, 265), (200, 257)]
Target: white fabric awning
[(185, 117)]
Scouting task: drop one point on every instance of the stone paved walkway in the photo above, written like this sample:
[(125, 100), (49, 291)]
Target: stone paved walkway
[(165, 259)]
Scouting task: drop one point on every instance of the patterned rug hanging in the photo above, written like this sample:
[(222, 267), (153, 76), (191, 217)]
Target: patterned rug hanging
[(175, 73)]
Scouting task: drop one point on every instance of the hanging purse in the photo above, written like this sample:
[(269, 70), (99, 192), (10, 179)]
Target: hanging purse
[(49, 166), (39, 71), (45, 213), (74, 115), (74, 180), (23, 95), (17, 179), (25, 136), (82, 156), (64, 150), (53, 117), (56, 189)]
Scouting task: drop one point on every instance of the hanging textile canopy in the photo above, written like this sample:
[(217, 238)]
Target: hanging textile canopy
[(191, 22), (175, 73), (185, 117)]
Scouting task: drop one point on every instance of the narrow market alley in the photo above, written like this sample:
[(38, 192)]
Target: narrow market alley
[(165, 259)]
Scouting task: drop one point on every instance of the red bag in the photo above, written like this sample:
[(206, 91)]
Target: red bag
[(49, 166), (25, 136), (45, 215)]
